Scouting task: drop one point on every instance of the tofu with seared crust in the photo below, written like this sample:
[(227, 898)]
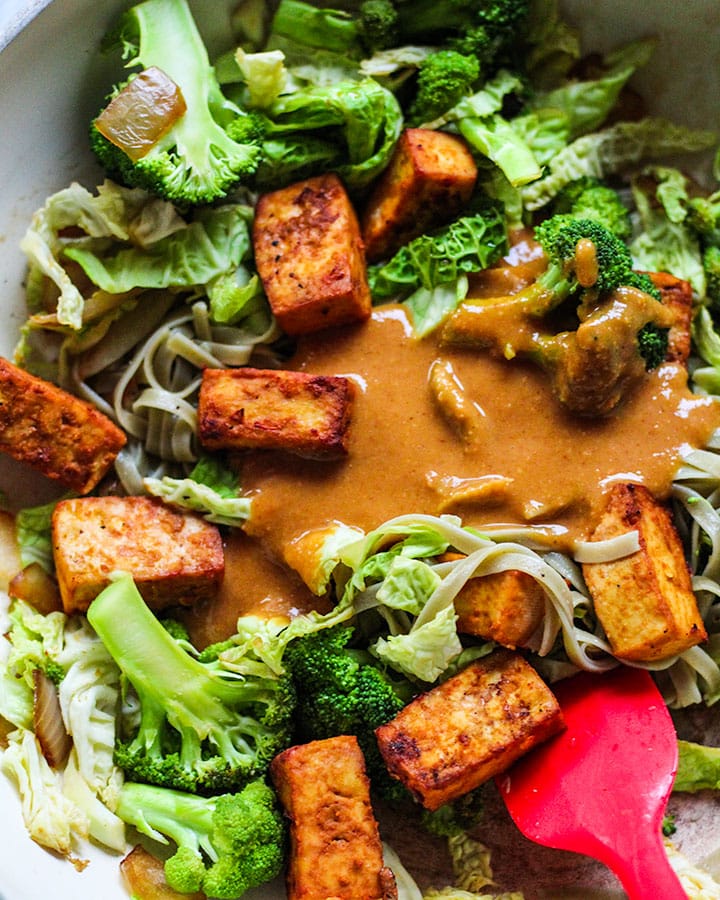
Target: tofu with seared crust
[(309, 255), (270, 409), (335, 847), (176, 558), (644, 601), (505, 607), (471, 727), (676, 294), (55, 432), (428, 181)]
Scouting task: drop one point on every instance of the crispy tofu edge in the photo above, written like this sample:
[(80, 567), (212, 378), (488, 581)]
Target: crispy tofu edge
[(298, 412), (645, 601)]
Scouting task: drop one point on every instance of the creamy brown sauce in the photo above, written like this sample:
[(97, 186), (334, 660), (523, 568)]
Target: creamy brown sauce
[(549, 467), (253, 585)]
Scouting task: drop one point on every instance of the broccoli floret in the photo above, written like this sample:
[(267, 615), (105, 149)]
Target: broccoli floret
[(560, 236), (196, 160), (201, 729), (488, 30), (341, 691), (589, 198), (652, 344), (443, 79), (703, 215), (593, 338), (378, 23), (226, 845), (711, 265)]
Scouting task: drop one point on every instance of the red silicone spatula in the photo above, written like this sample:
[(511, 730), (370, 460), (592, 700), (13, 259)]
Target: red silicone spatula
[(600, 787)]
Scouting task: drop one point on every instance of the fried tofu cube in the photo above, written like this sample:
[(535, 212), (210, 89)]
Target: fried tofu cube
[(429, 179), (470, 728), (176, 558), (505, 607), (677, 295), (55, 432), (244, 408), (309, 255), (644, 601), (335, 847)]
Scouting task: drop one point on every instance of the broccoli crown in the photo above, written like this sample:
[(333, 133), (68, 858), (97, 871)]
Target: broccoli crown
[(703, 215), (200, 729), (226, 845), (340, 692), (488, 30), (652, 344), (589, 198), (378, 24), (196, 160), (560, 236), (711, 264), (443, 79)]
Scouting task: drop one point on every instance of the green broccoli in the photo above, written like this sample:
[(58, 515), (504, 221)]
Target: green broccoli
[(487, 30), (703, 214), (201, 729), (196, 160), (327, 29), (652, 344), (341, 691), (589, 198), (711, 265), (444, 77), (378, 24), (226, 845)]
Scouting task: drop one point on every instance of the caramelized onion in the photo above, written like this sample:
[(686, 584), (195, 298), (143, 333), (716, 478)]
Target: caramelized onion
[(50, 731), (36, 587), (144, 110), (144, 876)]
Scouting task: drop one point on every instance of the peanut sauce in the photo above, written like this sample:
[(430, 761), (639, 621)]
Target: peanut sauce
[(526, 460)]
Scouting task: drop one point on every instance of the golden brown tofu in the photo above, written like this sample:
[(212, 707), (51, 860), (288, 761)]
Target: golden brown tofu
[(506, 607), (676, 294), (176, 558), (471, 727), (644, 601), (56, 433), (335, 847), (240, 409), (309, 255), (431, 176)]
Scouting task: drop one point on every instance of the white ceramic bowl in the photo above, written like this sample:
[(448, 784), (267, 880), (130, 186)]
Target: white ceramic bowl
[(51, 82)]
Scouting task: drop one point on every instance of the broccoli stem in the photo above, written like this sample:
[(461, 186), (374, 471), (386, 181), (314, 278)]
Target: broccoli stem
[(163, 673)]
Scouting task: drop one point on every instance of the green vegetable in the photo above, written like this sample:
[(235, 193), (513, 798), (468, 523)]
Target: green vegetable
[(349, 126), (589, 198), (611, 150), (487, 30), (226, 845), (196, 160), (666, 242), (711, 266), (330, 29), (201, 729), (214, 243), (444, 77), (210, 489), (343, 692), (698, 767), (419, 269), (378, 24)]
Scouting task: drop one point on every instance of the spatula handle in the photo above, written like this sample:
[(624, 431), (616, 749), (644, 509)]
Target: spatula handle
[(646, 871)]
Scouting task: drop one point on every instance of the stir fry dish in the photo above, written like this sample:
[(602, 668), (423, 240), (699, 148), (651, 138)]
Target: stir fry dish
[(377, 380)]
